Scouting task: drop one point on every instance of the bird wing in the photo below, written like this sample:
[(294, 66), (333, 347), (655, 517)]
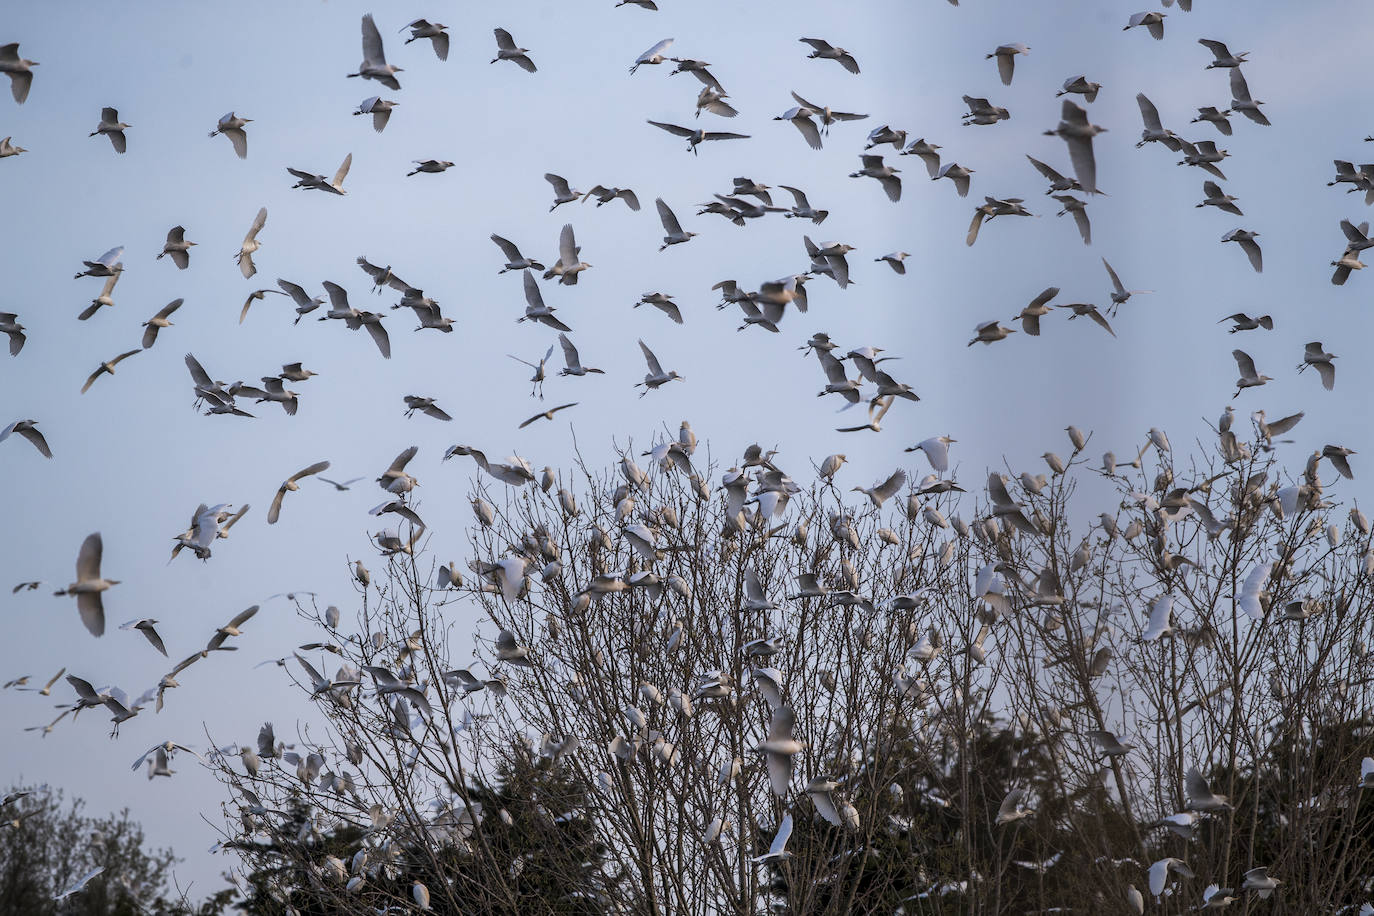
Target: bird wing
[(372, 43), (532, 294), (337, 181), (507, 248), (655, 50), (239, 139), (1044, 297), (560, 184), (123, 356), (1159, 874), (820, 44), (402, 460), (1096, 316), (780, 839), (937, 451), (258, 222), (1194, 782), (668, 218), (1252, 251), (153, 637), (242, 618), (832, 367), (808, 130), (36, 438), (378, 274), (1080, 217), (1005, 65), (1116, 281), (1352, 232), (673, 129), (379, 337), (110, 282), (1213, 191), (631, 200), (169, 308), (654, 367), (1239, 89), (338, 296), (798, 196), (1012, 801), (569, 352), (1218, 49), (805, 104), (315, 468), (1084, 165), (997, 489), (176, 235), (567, 246), (88, 559), (781, 725), (1049, 173), (440, 43), (248, 302), (1149, 113), (889, 487), (1245, 364), (92, 611), (503, 40), (1328, 375), (274, 511)]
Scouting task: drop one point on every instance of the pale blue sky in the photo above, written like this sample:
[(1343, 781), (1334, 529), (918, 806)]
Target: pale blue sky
[(132, 458)]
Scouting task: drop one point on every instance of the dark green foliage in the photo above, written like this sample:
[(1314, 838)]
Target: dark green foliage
[(46, 844)]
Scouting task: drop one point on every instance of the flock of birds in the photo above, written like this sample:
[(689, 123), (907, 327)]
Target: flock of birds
[(858, 375)]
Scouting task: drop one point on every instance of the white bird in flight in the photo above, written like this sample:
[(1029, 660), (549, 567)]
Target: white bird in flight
[(231, 126), (824, 50), (309, 181), (112, 127), (434, 31), (652, 56), (506, 50), (379, 108), (374, 65), (675, 235), (1075, 130), (18, 70), (656, 377), (251, 244), (90, 584), (1006, 60), (290, 485)]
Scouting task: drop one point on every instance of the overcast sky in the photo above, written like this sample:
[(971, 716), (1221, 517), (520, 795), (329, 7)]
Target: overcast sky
[(132, 459)]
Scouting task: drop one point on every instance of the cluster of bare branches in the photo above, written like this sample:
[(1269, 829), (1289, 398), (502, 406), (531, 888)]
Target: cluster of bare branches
[(696, 699)]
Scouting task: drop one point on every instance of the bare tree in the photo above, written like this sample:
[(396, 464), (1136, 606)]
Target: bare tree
[(937, 715)]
